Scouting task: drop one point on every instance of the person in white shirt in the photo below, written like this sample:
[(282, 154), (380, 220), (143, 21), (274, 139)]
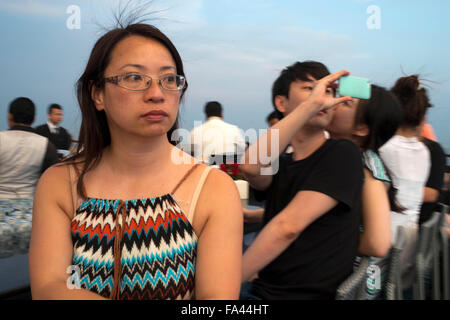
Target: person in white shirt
[(408, 162), (215, 136), (24, 155)]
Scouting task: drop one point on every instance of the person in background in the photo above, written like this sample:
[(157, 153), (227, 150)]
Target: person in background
[(370, 124), (134, 222), (311, 221), (432, 193), (428, 132), (215, 136), (24, 155), (407, 160), (433, 187), (53, 131), (273, 118)]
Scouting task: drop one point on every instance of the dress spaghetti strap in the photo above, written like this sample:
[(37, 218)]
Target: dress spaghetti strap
[(184, 178), (198, 189), (72, 189)]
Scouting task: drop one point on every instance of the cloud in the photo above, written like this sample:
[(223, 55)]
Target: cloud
[(33, 8), (261, 50), (237, 65)]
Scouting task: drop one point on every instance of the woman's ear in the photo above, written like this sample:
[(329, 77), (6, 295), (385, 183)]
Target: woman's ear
[(361, 130), (97, 95), (280, 103)]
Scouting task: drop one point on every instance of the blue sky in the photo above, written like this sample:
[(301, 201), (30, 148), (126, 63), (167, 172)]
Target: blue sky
[(232, 50)]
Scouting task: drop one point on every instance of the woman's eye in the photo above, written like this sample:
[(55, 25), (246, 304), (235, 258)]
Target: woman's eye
[(347, 104), (308, 88), (170, 78), (133, 77)]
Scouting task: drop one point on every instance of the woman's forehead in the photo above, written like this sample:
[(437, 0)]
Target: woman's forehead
[(141, 52)]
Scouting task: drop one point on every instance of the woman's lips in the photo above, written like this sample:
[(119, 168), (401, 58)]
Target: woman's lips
[(155, 115)]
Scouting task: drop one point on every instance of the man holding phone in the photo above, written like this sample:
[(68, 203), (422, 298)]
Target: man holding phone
[(309, 241)]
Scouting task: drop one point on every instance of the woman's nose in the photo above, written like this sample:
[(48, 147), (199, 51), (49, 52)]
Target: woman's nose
[(154, 92)]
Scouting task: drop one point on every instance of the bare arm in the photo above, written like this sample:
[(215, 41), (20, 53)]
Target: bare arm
[(283, 229), (430, 194), (376, 237), (253, 216), (268, 147), (219, 251), (51, 244)]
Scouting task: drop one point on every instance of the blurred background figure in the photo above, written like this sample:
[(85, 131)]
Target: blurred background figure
[(54, 132), (24, 155), (273, 118), (428, 132), (433, 191), (215, 136)]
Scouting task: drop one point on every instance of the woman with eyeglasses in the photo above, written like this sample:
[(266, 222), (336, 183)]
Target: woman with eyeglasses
[(124, 218)]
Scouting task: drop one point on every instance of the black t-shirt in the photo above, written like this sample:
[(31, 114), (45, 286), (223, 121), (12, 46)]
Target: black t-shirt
[(435, 179), (322, 257)]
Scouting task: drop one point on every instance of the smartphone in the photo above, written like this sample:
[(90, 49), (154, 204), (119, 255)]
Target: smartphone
[(354, 87)]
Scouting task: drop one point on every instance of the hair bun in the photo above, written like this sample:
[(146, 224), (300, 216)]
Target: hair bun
[(406, 87), (414, 100)]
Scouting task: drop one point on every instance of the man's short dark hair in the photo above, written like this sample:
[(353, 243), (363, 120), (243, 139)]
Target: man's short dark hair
[(298, 71), (54, 106), (213, 109), (22, 110)]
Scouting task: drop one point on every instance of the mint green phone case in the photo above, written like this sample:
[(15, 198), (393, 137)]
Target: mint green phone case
[(354, 87)]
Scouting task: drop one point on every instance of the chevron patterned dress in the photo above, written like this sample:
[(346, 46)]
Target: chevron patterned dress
[(135, 249)]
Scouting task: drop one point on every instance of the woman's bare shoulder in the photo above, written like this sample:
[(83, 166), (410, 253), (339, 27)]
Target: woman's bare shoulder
[(218, 184), (55, 187), (61, 171), (219, 176), (55, 174)]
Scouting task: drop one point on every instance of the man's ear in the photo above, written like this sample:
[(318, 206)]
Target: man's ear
[(361, 130), (97, 95), (280, 103), (11, 122)]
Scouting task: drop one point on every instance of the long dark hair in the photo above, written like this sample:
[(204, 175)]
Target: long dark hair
[(94, 131), (382, 114)]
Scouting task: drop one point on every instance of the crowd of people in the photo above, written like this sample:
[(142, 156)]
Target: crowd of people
[(346, 173)]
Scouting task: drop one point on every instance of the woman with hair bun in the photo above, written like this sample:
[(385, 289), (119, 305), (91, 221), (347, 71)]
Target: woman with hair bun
[(407, 160)]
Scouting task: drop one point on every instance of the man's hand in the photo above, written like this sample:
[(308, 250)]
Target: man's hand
[(319, 99)]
